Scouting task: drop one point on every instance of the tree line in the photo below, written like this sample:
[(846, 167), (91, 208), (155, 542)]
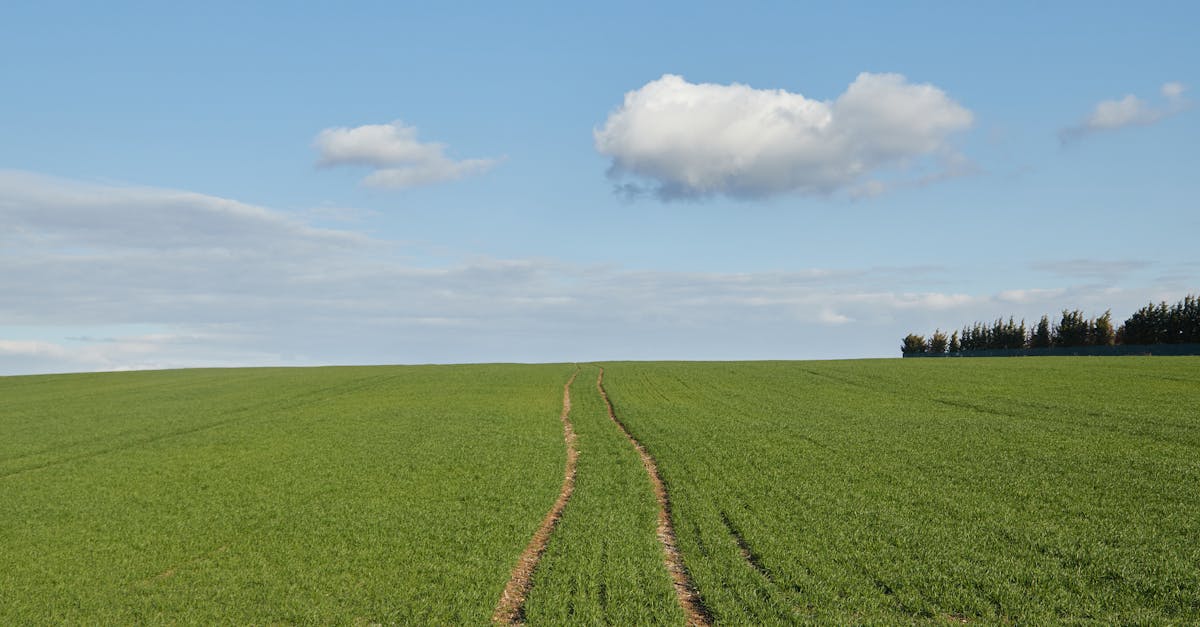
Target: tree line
[(1152, 324)]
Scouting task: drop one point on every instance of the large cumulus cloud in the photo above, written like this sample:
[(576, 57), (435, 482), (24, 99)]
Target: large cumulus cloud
[(682, 139)]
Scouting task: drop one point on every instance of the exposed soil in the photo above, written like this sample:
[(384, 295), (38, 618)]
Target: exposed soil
[(511, 608), (685, 588)]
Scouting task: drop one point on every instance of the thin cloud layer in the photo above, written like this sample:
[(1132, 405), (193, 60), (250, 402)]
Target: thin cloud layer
[(1110, 115), (52, 212), (100, 277), (398, 158), (687, 140), (1105, 270)]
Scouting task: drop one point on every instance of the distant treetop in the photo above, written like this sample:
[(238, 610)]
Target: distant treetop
[(1152, 324)]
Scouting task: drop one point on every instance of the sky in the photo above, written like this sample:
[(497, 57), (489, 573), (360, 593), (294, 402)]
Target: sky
[(250, 184)]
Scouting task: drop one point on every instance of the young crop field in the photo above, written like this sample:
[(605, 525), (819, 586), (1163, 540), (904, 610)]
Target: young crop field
[(1001, 490), (1034, 490), (372, 495)]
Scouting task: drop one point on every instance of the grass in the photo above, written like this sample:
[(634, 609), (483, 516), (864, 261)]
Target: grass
[(1034, 490), (997, 490), (395, 495), (603, 564)]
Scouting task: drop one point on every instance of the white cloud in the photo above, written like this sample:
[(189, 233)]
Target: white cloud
[(933, 301), (1026, 296), (830, 317), (378, 145), (1117, 113), (1128, 111), (696, 140), (31, 348), (399, 159)]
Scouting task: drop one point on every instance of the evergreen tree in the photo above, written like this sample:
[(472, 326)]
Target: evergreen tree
[(914, 345), (937, 343), (1190, 312), (1012, 336), (1041, 334), (971, 339), (1176, 324), (1156, 324), (1145, 326), (1072, 330), (1152, 324), (1163, 320), (1102, 330)]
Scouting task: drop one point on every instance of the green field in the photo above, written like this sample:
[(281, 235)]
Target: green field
[(1026, 490), (394, 495)]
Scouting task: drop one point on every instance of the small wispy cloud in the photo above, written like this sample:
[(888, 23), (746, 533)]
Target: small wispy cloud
[(398, 158), (1108, 271), (1032, 295), (1110, 115)]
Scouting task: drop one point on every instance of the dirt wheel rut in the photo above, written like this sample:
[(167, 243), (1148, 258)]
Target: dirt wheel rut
[(685, 588), (510, 610)]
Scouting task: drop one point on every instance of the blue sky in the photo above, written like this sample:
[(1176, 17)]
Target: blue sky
[(167, 199)]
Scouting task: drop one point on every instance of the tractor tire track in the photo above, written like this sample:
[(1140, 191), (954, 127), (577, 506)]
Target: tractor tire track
[(744, 549), (510, 610), (685, 589)]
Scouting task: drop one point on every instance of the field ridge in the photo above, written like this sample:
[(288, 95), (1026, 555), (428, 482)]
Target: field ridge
[(685, 589), (510, 610)]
